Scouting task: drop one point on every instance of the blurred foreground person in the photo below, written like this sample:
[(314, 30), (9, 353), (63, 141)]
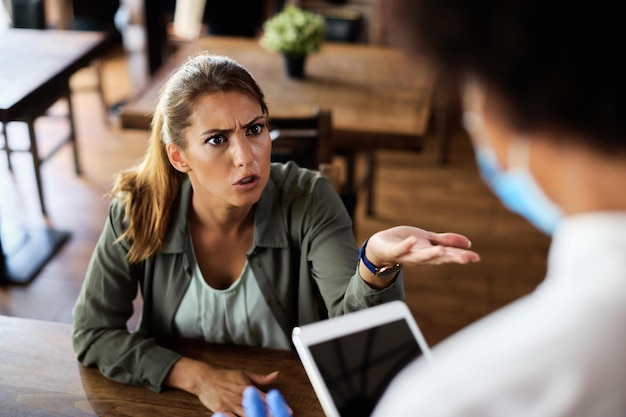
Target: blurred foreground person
[(543, 90), (544, 106)]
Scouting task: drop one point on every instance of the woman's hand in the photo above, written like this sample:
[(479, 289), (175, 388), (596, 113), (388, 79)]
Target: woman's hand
[(219, 390), (223, 390), (408, 245)]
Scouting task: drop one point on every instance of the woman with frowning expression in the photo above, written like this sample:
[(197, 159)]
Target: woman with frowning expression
[(226, 246)]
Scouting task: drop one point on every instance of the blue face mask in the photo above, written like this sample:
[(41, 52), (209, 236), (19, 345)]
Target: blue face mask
[(516, 188), (518, 191)]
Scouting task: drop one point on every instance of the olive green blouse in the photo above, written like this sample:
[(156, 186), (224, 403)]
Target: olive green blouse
[(304, 258)]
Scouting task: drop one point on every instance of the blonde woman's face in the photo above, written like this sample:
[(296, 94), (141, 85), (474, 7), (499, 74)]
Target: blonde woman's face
[(228, 150)]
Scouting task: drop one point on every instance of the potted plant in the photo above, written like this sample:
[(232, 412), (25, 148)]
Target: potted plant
[(295, 33)]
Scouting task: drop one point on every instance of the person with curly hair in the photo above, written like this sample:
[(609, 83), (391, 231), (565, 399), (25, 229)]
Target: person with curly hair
[(543, 94)]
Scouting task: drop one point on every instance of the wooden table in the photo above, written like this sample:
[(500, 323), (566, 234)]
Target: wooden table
[(35, 68), (36, 65), (40, 376), (379, 97)]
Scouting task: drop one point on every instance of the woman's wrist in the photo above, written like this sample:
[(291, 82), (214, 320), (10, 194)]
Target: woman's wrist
[(376, 276), (375, 267), (187, 374)]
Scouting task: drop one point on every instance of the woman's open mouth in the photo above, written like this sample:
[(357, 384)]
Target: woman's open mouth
[(247, 182)]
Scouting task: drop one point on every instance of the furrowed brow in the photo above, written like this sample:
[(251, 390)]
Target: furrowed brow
[(254, 121)]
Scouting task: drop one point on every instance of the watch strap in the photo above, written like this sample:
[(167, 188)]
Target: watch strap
[(382, 271)]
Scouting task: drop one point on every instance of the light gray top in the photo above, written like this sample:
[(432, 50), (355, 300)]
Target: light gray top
[(238, 314)]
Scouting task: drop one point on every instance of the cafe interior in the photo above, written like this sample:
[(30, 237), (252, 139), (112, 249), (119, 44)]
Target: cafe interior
[(392, 141)]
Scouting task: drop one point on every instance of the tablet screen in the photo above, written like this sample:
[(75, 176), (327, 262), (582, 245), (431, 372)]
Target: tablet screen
[(358, 367)]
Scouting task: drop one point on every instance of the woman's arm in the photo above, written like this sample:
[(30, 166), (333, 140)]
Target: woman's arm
[(104, 306), (333, 255), (101, 337)]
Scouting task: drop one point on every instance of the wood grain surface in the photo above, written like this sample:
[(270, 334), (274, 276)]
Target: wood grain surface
[(40, 376)]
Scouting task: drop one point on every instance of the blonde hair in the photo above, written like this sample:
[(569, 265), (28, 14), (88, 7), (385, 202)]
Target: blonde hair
[(149, 190)]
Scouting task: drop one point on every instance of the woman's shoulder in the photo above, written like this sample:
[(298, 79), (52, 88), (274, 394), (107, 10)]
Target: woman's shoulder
[(118, 209)]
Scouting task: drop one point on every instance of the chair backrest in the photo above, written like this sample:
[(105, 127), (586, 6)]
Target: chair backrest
[(28, 14), (304, 140), (343, 25)]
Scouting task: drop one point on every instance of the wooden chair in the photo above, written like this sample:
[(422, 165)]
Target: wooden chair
[(33, 148), (306, 141), (343, 25)]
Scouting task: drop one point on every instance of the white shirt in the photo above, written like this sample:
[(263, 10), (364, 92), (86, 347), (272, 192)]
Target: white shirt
[(560, 351), (238, 314)]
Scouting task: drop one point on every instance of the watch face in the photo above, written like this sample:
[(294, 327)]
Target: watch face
[(386, 271)]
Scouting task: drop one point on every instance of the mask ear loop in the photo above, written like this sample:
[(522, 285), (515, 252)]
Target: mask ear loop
[(519, 154), (473, 102)]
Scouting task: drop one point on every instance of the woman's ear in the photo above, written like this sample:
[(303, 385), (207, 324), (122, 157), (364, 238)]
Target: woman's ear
[(177, 158)]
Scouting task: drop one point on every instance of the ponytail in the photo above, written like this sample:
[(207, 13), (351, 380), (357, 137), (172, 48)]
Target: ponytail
[(148, 192)]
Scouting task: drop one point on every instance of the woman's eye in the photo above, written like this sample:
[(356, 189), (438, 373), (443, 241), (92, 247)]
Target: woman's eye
[(256, 129), (216, 140)]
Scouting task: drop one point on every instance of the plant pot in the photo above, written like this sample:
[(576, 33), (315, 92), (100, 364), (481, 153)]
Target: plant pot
[(294, 65)]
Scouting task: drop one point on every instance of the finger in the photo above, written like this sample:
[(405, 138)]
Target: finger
[(253, 404), (461, 256), (257, 379), (422, 255), (454, 255), (451, 239), (225, 401), (403, 247), (228, 408), (224, 414), (277, 404)]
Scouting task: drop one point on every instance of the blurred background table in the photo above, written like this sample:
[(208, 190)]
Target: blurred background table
[(41, 377), (379, 97), (35, 69), (376, 94)]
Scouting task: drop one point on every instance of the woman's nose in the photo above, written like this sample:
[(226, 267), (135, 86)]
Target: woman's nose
[(241, 151)]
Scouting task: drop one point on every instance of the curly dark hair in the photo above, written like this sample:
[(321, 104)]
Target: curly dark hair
[(555, 64)]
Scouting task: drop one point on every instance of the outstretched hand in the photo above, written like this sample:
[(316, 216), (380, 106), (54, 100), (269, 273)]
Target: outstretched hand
[(257, 404), (410, 245)]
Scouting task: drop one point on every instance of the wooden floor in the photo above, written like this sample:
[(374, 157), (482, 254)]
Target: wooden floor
[(409, 189)]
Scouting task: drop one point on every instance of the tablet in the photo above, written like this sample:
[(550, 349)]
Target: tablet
[(351, 359)]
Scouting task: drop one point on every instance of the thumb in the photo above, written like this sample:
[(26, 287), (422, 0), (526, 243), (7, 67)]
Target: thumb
[(401, 249), (405, 246), (257, 379)]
